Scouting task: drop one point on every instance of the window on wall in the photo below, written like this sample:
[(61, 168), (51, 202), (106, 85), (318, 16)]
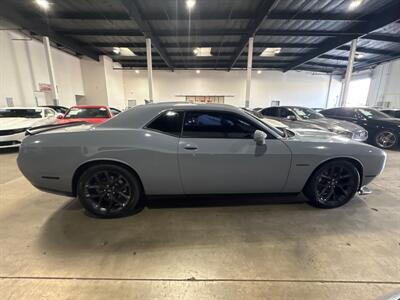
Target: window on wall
[(358, 92), (205, 99)]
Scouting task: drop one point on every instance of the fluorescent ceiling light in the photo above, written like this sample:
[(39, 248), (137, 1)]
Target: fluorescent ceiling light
[(197, 71), (44, 4), (259, 72), (137, 71), (123, 51), (270, 52), (354, 4), (190, 4), (359, 55), (202, 51)]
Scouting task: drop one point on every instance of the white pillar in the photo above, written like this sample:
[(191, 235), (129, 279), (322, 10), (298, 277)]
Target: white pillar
[(149, 68), (349, 73), (249, 67), (50, 68), (329, 91)]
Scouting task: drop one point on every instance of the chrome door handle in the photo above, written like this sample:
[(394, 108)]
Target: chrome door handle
[(190, 147)]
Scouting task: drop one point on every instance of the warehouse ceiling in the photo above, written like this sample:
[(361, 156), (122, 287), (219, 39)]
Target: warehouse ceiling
[(312, 35)]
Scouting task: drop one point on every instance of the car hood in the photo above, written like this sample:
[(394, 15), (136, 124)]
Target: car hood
[(336, 124), (282, 123), (315, 135), (18, 123)]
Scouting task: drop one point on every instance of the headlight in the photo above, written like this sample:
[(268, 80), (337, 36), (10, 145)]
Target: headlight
[(341, 132)]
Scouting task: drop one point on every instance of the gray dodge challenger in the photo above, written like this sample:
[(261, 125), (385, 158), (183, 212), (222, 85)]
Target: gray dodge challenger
[(182, 148)]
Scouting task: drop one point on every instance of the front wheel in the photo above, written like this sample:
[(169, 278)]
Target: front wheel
[(108, 191), (333, 184), (386, 139)]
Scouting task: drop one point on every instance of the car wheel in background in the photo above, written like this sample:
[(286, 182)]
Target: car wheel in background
[(386, 139), (333, 184), (108, 191)]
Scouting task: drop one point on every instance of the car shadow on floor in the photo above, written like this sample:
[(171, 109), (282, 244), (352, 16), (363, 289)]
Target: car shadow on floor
[(199, 221)]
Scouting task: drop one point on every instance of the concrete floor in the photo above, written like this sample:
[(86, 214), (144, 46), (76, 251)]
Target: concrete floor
[(252, 248)]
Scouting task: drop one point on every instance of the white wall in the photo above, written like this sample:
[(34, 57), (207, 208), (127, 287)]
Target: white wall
[(115, 84), (23, 67), (385, 84), (292, 88)]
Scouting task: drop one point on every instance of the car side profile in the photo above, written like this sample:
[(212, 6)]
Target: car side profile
[(186, 149), (383, 130), (394, 113)]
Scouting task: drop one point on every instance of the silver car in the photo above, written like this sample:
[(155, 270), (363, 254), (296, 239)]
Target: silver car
[(181, 148), (297, 117)]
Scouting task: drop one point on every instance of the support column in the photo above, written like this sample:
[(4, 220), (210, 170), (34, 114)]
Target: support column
[(149, 68), (249, 68), (349, 73), (47, 50), (329, 91)]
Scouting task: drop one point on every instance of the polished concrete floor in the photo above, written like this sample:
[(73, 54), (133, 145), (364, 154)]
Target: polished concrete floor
[(199, 248)]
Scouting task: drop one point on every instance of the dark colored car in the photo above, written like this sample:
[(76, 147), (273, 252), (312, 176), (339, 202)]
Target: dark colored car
[(295, 116), (383, 130), (395, 113), (59, 109)]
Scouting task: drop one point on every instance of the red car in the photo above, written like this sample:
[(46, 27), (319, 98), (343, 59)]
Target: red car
[(88, 113)]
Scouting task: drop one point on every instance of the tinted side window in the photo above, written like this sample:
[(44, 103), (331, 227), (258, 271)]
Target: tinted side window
[(216, 125), (347, 113), (270, 111), (330, 112), (284, 112), (169, 122)]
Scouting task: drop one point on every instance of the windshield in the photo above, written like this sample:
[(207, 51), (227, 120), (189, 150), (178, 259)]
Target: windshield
[(307, 113), (86, 113), (371, 113), (20, 113), (259, 118)]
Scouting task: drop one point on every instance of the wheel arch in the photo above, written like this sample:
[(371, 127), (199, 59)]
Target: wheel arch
[(84, 166), (352, 160)]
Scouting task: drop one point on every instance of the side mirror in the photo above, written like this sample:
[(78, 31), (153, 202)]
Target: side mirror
[(259, 137), (60, 116), (291, 118)]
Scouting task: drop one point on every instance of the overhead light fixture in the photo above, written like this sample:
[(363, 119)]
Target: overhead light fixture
[(197, 71), (202, 51), (259, 72), (190, 4), (354, 4), (44, 4), (268, 52), (137, 71), (116, 50), (359, 55)]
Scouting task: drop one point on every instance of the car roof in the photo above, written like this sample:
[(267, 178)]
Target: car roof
[(21, 107), (138, 116), (89, 106)]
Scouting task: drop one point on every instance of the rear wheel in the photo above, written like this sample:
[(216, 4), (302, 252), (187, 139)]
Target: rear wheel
[(333, 184), (108, 191), (386, 139)]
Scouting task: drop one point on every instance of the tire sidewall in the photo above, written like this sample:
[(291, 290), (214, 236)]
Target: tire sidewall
[(310, 190), (133, 181)]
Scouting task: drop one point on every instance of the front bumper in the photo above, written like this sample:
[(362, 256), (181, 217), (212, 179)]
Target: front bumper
[(12, 140)]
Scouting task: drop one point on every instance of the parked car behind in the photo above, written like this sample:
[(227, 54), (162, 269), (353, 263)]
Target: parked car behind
[(394, 113), (289, 114), (94, 114), (383, 130), (57, 108), (14, 121)]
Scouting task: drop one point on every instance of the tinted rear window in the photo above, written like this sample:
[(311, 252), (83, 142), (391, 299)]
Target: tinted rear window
[(86, 113), (169, 122)]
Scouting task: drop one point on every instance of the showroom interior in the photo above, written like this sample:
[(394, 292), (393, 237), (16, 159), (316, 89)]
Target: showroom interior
[(76, 77)]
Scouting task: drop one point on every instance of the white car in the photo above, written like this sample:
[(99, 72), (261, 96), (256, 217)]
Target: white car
[(14, 121)]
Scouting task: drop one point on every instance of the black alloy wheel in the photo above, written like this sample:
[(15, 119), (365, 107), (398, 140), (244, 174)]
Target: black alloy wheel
[(386, 139), (333, 184), (108, 191)]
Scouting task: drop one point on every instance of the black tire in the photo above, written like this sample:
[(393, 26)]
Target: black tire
[(386, 139), (109, 191), (333, 184)]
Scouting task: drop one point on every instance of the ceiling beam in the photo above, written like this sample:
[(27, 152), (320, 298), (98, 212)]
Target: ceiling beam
[(384, 16), (383, 37), (318, 64), (9, 12), (371, 51), (117, 16), (135, 14), (263, 11), (375, 62)]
